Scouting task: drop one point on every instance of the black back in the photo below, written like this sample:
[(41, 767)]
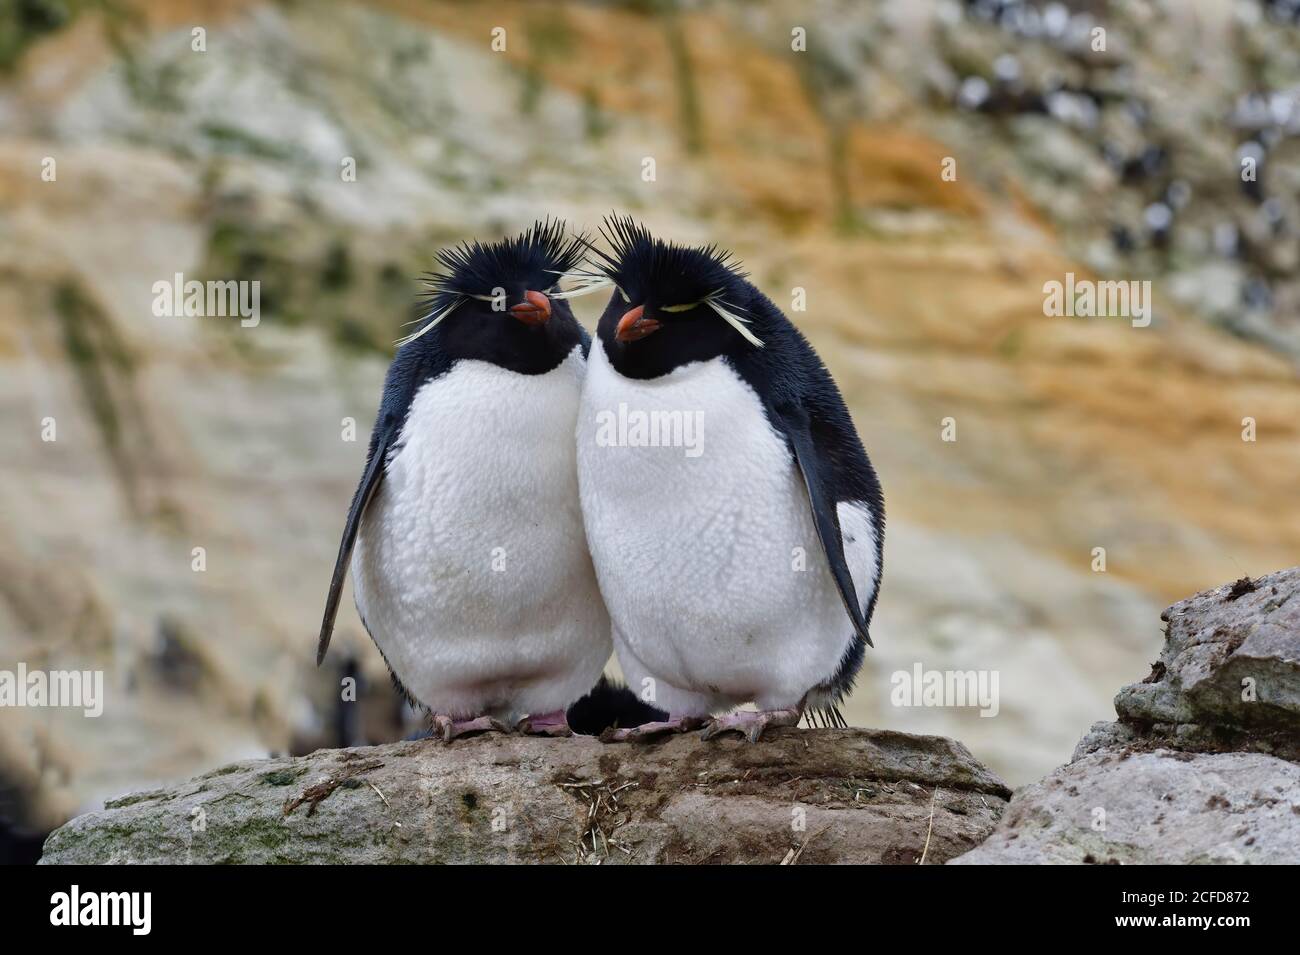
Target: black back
[(460, 324)]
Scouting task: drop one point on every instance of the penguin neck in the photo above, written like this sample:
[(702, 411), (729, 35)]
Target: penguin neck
[(662, 353), (513, 346)]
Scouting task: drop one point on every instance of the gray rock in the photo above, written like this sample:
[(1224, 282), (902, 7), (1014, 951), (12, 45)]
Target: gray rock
[(1231, 658), (1157, 807), (802, 795), (1104, 735), (1202, 764), (1227, 680), (1234, 654)]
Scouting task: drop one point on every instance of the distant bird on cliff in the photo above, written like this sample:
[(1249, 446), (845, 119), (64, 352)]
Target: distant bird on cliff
[(745, 565), (470, 569)]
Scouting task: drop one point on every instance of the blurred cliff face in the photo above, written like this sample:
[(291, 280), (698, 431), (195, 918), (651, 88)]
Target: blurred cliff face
[(912, 174)]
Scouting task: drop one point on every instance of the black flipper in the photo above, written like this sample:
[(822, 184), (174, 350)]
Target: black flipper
[(360, 501), (798, 430)]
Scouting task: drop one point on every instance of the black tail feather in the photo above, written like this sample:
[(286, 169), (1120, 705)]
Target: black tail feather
[(825, 717), (610, 704)]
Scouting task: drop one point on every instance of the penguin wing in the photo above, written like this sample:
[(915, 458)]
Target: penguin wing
[(815, 462), (370, 481), (411, 367)]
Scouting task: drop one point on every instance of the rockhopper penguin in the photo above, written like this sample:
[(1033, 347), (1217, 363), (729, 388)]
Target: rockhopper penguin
[(745, 568), (469, 562)]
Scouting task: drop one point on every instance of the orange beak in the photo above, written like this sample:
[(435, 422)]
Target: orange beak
[(535, 309), (634, 325)]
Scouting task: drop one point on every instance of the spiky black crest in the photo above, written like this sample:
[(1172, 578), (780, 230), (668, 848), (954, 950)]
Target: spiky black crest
[(666, 275), (647, 270), (636, 258), (532, 259)]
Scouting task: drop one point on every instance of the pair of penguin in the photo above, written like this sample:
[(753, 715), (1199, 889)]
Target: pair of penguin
[(495, 564)]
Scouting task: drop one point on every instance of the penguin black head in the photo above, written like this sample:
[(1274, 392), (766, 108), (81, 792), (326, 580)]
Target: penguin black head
[(497, 301), (672, 304)]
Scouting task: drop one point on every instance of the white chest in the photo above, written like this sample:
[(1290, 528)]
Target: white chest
[(707, 554), (471, 569)]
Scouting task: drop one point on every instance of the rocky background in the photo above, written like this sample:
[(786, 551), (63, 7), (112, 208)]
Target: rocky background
[(821, 168)]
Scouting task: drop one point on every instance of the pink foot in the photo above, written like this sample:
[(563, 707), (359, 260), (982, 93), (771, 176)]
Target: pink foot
[(634, 734), (750, 724), (545, 724), (448, 729)]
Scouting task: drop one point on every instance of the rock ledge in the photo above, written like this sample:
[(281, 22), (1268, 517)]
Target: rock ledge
[(802, 795)]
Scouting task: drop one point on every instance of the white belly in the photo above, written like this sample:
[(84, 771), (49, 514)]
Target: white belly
[(709, 563), (471, 568)]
